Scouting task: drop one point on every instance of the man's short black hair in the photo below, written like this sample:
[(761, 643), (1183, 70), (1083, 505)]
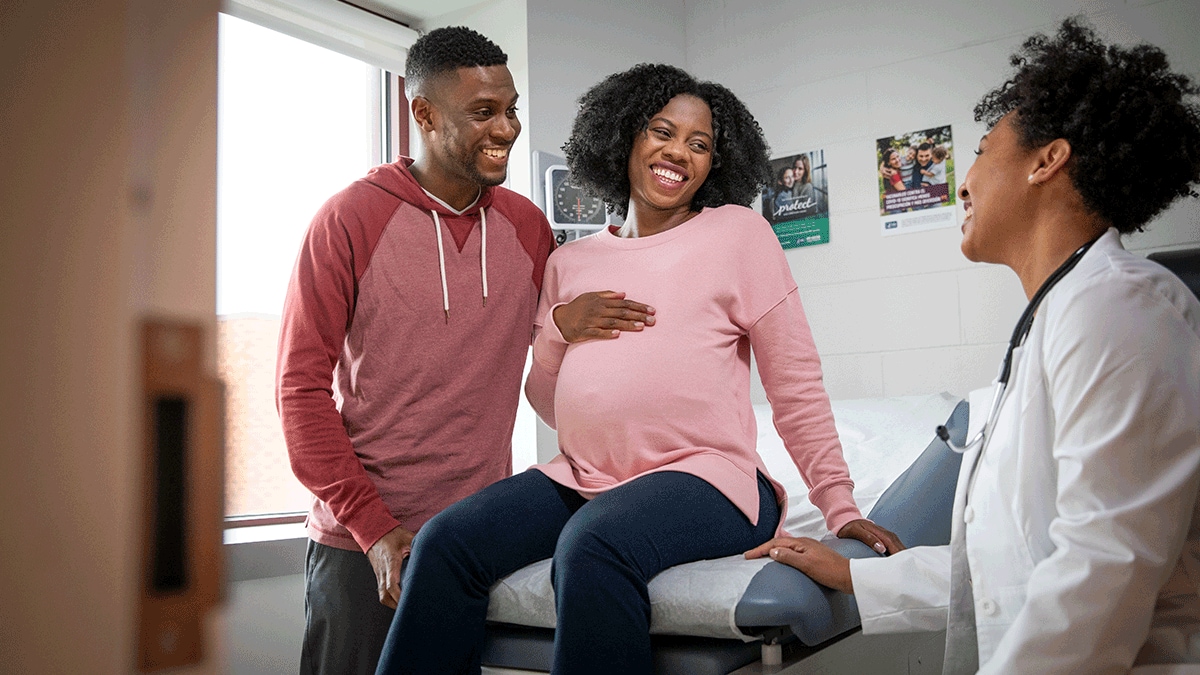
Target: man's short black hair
[(924, 146), (614, 111), (443, 50), (1134, 133)]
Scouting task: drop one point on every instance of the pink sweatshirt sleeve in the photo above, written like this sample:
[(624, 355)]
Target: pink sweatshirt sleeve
[(549, 347), (791, 374), (316, 316)]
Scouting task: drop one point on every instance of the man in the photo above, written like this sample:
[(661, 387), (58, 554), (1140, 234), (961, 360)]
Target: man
[(922, 170), (404, 336)]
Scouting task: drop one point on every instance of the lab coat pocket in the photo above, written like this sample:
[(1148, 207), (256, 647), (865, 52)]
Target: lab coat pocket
[(995, 610)]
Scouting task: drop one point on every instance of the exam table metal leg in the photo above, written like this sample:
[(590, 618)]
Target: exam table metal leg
[(913, 653)]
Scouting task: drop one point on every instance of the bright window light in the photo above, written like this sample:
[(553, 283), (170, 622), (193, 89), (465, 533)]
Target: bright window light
[(294, 126)]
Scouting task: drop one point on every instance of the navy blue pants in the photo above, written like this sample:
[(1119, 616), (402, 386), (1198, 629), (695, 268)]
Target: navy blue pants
[(605, 552)]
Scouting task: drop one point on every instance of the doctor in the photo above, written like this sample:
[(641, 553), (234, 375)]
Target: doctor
[(1075, 544)]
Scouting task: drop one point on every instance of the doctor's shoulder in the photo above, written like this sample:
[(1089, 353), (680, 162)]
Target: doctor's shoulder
[(1123, 300)]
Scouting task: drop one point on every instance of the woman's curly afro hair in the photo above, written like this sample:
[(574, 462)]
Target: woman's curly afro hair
[(1133, 130), (614, 111)]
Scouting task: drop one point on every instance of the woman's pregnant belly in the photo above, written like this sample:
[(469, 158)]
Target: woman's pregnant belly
[(626, 406)]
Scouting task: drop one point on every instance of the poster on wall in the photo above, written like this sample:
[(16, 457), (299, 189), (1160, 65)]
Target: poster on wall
[(916, 181), (796, 203)]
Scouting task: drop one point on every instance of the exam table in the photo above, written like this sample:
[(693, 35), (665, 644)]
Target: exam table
[(713, 617)]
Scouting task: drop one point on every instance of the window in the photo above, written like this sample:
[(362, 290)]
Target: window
[(296, 123)]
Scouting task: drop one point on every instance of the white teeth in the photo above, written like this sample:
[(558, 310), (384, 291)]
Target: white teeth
[(668, 174), (497, 154)]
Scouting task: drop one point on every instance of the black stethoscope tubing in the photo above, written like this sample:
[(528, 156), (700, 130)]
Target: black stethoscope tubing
[(1020, 333)]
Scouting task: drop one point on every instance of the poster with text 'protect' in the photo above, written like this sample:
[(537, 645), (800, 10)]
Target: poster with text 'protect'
[(916, 181), (796, 203)]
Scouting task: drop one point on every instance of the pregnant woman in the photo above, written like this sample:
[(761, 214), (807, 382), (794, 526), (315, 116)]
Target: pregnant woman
[(651, 397)]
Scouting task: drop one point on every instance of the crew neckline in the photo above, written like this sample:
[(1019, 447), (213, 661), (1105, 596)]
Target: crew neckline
[(612, 239)]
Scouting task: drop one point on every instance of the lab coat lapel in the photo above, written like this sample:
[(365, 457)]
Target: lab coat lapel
[(962, 645)]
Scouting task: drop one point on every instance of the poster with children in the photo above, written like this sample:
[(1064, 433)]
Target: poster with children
[(796, 203), (916, 181)]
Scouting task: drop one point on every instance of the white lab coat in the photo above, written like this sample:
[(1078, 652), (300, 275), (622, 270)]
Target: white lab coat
[(1082, 523)]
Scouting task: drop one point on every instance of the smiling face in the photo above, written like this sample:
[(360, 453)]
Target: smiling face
[(924, 157), (993, 195), (671, 158), (476, 124), (789, 178)]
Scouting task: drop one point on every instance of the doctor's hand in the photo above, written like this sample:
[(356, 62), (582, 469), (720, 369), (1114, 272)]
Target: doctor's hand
[(601, 316), (386, 556), (879, 539), (821, 563)]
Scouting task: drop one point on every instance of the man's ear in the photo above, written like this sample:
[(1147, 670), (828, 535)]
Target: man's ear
[(424, 113)]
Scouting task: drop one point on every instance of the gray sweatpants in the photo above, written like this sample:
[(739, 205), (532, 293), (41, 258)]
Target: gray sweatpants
[(345, 624)]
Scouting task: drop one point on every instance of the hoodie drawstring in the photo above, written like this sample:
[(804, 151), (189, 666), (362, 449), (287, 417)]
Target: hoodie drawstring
[(483, 251), (437, 231)]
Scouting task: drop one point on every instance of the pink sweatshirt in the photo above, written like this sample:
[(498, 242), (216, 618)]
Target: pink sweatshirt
[(676, 396), (391, 411)]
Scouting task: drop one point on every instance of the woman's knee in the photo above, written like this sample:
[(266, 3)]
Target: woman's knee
[(438, 538), (588, 546)]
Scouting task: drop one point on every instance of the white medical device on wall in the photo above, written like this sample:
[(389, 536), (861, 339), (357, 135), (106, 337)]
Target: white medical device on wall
[(572, 212)]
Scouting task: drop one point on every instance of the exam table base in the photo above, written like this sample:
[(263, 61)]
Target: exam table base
[(516, 650)]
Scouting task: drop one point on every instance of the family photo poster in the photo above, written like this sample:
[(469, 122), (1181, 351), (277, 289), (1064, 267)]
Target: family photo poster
[(796, 203), (916, 181)]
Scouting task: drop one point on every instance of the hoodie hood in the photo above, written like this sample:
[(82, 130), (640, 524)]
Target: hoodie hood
[(396, 179)]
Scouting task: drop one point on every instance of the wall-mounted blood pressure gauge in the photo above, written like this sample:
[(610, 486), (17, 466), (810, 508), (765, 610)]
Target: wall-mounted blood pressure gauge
[(569, 206)]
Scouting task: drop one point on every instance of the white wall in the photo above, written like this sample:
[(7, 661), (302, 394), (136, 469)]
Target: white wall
[(573, 44), (905, 314)]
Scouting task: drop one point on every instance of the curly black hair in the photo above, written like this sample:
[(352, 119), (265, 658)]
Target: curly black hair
[(612, 112), (1134, 133), (445, 49)]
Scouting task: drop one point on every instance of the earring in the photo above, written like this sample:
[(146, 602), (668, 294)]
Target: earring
[(1030, 178)]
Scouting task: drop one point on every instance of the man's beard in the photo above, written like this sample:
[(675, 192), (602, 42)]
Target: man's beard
[(467, 168)]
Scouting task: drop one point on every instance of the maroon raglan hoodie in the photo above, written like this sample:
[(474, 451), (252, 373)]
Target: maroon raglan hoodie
[(393, 407)]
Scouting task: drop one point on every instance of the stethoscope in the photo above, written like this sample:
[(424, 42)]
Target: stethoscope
[(1024, 324)]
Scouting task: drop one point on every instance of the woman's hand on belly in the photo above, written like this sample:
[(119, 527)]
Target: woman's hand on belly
[(601, 316)]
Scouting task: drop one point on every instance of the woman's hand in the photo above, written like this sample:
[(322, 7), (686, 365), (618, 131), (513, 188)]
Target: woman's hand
[(601, 316), (821, 563), (879, 539)]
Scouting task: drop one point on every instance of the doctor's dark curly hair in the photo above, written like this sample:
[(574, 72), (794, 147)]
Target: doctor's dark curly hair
[(1133, 125), (445, 49), (612, 112)]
